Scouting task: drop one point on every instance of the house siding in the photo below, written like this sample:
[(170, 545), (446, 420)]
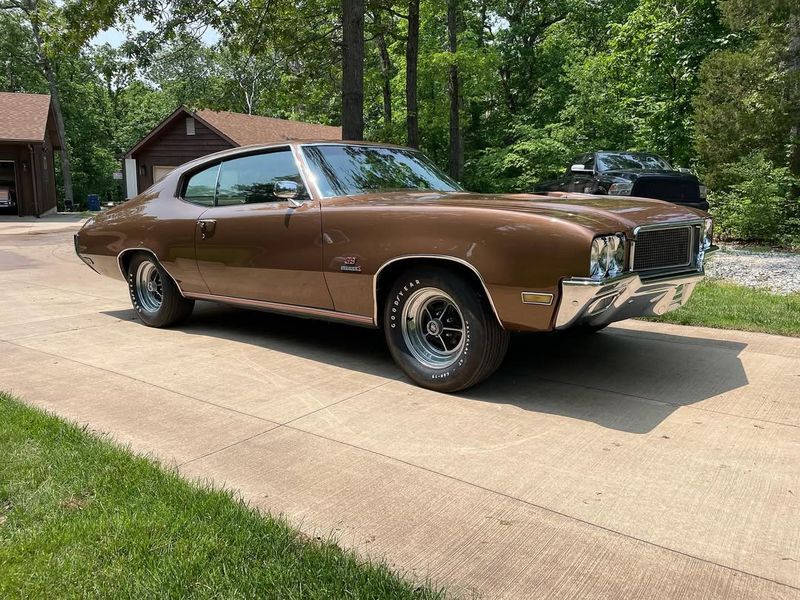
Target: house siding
[(172, 148)]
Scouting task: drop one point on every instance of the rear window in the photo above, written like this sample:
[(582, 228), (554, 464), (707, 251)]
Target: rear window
[(202, 187)]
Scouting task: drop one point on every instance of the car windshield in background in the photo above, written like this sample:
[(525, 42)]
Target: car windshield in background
[(631, 160), (346, 170)]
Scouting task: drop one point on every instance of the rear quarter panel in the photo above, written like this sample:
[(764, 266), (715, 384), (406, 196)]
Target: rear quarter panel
[(154, 221)]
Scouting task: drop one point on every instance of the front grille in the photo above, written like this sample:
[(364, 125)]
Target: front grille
[(663, 249), (665, 188)]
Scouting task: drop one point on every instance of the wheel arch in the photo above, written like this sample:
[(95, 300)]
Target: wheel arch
[(124, 260), (389, 271)]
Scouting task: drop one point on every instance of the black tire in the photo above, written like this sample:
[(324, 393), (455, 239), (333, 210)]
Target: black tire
[(171, 308), (473, 352), (587, 329)]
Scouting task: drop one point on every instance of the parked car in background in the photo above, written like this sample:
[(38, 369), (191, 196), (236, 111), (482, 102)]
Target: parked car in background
[(7, 200), (630, 174), (377, 236)]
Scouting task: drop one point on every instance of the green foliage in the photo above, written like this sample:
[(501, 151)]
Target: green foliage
[(535, 155), (702, 82), (729, 306), (756, 202)]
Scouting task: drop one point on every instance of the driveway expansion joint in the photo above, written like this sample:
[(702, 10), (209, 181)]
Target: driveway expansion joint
[(136, 379), (545, 509)]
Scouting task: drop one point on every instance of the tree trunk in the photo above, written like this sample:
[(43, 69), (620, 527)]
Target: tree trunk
[(456, 162), (412, 52), (386, 72), (353, 70), (55, 98), (793, 78)]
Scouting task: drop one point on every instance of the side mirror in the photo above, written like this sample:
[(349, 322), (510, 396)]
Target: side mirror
[(684, 170), (579, 169), (287, 190)]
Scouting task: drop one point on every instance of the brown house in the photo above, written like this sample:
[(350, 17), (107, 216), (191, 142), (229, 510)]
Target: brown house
[(28, 138), (186, 135)]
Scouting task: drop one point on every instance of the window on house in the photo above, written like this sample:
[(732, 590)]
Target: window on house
[(189, 125)]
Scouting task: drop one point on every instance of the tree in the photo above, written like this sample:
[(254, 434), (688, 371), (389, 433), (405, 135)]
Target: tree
[(412, 55), (352, 69), (456, 162), (35, 13)]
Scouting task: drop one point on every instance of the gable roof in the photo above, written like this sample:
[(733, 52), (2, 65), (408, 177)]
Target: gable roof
[(23, 117), (242, 130), (252, 129)]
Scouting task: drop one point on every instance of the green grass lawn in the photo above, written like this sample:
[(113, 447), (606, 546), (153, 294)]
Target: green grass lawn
[(730, 306), (81, 517)]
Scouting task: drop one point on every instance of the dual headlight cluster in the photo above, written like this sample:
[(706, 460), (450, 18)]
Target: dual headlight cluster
[(708, 233), (607, 258)]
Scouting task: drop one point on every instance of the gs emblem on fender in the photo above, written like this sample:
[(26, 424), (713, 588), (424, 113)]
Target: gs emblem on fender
[(350, 264)]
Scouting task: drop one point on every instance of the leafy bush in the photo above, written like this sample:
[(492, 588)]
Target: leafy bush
[(757, 202), (535, 155)]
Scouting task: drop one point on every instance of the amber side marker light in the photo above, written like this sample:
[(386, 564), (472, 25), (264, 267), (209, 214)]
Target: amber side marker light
[(537, 298)]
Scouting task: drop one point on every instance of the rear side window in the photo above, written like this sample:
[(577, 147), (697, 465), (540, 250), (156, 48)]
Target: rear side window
[(202, 186), (251, 179)]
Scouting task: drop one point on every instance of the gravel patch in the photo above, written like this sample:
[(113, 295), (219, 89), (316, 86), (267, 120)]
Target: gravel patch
[(778, 272)]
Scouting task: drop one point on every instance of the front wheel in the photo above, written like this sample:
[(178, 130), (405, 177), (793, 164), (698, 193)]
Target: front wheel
[(441, 330), (155, 297)]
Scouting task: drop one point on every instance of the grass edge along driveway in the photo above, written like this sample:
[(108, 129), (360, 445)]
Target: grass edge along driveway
[(81, 516), (723, 305)]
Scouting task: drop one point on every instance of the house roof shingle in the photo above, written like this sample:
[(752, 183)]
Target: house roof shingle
[(23, 117), (252, 129)]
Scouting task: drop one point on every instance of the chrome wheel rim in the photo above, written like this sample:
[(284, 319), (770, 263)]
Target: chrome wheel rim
[(149, 290), (433, 328)]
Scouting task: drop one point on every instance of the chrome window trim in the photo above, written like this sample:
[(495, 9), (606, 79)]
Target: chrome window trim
[(444, 257)]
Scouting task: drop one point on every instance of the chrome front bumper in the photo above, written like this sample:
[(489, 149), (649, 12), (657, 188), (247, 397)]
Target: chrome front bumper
[(589, 302)]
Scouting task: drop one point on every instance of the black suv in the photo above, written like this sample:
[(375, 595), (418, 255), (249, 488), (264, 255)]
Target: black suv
[(629, 174)]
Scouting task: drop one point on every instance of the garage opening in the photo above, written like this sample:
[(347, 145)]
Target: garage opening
[(9, 201)]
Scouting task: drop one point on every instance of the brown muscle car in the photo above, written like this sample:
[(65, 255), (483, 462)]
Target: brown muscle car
[(377, 236)]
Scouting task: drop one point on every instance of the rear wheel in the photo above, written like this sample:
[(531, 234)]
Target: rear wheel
[(155, 297), (441, 330)]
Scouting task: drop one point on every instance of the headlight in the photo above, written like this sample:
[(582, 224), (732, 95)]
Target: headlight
[(617, 263), (703, 192), (598, 262), (607, 256), (708, 232), (620, 189)]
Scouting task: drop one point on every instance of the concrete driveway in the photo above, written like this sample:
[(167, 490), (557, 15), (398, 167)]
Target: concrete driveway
[(647, 461)]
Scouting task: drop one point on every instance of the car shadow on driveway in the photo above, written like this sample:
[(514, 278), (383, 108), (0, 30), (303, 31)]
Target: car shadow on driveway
[(619, 378)]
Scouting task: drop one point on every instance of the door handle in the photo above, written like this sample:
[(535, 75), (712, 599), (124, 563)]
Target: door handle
[(207, 227)]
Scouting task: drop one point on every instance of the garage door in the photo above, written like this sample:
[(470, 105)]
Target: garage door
[(160, 172)]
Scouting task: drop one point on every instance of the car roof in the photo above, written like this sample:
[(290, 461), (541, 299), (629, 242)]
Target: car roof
[(223, 154)]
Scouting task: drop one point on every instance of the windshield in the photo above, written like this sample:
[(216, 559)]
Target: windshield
[(346, 170), (621, 161)]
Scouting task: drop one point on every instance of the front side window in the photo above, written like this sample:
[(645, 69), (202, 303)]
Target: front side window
[(348, 170), (251, 179), (202, 186)]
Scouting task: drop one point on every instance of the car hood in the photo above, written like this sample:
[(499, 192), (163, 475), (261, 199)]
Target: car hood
[(601, 214)]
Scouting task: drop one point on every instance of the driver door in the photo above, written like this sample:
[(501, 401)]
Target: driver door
[(253, 245)]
